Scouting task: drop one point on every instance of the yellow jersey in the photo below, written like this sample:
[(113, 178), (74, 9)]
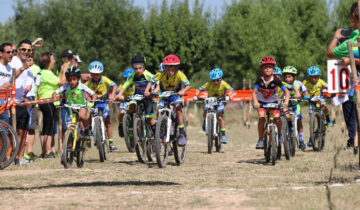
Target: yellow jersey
[(103, 87), (314, 89), (128, 91), (216, 90), (173, 83)]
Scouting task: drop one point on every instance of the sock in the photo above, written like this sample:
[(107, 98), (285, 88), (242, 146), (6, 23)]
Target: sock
[(222, 131), (301, 136), (182, 130), (110, 141)]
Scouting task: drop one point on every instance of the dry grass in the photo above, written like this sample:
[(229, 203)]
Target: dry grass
[(236, 178)]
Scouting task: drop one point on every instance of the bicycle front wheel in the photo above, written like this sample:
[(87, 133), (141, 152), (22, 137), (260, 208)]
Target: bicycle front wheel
[(161, 146), (99, 139), (67, 155), (210, 131), (139, 137), (13, 145), (285, 135), (80, 153), (315, 131), (3, 143), (273, 143)]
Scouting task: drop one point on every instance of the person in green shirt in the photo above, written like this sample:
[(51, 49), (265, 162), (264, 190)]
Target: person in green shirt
[(49, 83)]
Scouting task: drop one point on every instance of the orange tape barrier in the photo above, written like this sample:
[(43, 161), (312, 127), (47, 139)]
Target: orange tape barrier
[(238, 95)]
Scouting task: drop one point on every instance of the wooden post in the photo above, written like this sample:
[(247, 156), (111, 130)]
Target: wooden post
[(250, 106), (13, 110), (244, 104), (357, 90)]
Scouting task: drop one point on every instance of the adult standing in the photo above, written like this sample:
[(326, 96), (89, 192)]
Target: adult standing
[(49, 83), (23, 84), (338, 49)]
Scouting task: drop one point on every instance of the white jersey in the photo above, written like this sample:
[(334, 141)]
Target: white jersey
[(25, 79), (5, 77)]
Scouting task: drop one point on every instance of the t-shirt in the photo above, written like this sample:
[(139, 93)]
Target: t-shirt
[(315, 89), (342, 50), (49, 83), (292, 90), (5, 77), (140, 83), (35, 69), (216, 90), (268, 94), (101, 89), (76, 95), (24, 80), (173, 83), (128, 91)]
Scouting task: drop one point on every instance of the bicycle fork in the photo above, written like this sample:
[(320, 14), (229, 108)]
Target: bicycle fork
[(268, 139)]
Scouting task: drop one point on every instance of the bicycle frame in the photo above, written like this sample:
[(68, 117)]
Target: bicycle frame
[(210, 103), (269, 124)]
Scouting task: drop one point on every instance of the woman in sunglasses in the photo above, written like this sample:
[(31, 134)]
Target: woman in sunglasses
[(217, 88)]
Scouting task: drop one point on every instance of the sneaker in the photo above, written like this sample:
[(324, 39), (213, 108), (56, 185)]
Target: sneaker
[(52, 155), (121, 131), (23, 161), (302, 146), (113, 148), (260, 144), (32, 156), (16, 161), (224, 140), (309, 144), (182, 140), (350, 143)]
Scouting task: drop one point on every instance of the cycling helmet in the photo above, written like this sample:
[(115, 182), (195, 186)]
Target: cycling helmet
[(277, 71), (73, 71), (171, 60), (96, 67), (138, 60), (161, 67), (289, 70), (216, 73), (128, 72), (267, 60), (313, 71)]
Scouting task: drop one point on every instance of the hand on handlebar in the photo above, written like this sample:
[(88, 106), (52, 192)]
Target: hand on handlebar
[(147, 94), (181, 93), (285, 104), (121, 98)]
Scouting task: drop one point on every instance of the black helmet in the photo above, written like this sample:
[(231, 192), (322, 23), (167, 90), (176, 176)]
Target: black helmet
[(73, 71), (138, 59)]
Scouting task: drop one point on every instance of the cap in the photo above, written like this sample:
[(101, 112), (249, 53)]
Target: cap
[(67, 54)]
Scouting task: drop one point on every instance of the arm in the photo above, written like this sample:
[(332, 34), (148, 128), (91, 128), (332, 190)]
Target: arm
[(27, 64), (254, 97), (113, 93), (183, 91), (120, 95), (94, 97), (62, 79), (334, 42), (287, 97), (148, 86)]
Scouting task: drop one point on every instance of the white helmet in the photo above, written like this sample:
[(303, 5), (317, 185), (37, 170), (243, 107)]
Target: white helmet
[(96, 67)]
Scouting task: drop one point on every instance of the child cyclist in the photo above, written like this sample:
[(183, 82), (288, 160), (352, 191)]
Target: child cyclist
[(173, 80), (315, 85), (217, 88), (265, 91), (105, 89), (75, 93), (294, 87), (140, 79), (127, 93)]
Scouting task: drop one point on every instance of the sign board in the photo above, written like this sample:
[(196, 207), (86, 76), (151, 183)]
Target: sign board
[(338, 77)]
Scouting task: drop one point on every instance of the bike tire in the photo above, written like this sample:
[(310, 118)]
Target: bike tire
[(315, 138), (179, 154), (161, 146), (67, 156), (266, 148), (273, 146), (13, 147), (4, 146), (129, 140), (139, 137), (99, 141), (80, 153), (323, 132), (286, 139), (150, 145), (217, 139), (210, 126), (293, 139)]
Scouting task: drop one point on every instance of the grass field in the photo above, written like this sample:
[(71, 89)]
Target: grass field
[(237, 178)]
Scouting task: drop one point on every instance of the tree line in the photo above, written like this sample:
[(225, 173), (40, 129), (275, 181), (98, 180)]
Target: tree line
[(294, 32)]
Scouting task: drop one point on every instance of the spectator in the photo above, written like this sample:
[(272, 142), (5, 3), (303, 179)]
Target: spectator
[(338, 49), (23, 83), (49, 83)]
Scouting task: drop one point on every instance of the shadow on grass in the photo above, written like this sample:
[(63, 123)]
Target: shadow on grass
[(154, 164), (129, 162), (254, 161), (94, 184)]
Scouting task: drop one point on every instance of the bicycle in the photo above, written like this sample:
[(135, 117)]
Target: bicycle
[(99, 131), (128, 130), (3, 143), (74, 142), (166, 133), (271, 138), (143, 134), (318, 124), (212, 128)]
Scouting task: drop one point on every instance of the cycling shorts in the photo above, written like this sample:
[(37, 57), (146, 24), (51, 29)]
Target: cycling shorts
[(124, 106), (104, 107), (275, 111), (297, 110), (172, 99), (219, 108), (149, 107)]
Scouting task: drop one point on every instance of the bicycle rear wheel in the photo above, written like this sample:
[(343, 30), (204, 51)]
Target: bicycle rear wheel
[(267, 149), (210, 131), (315, 131), (285, 135), (273, 146), (150, 145), (139, 137), (128, 132), (99, 139), (293, 141), (80, 153), (161, 146), (67, 155), (13, 145), (3, 143)]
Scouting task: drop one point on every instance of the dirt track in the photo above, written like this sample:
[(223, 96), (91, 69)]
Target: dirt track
[(236, 178)]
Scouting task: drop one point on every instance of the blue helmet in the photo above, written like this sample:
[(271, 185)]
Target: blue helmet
[(216, 73), (277, 71), (128, 72), (313, 71), (96, 67)]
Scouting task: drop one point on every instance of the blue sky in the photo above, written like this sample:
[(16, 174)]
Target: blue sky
[(6, 6)]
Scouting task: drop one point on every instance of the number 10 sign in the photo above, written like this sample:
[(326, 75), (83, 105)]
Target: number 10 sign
[(338, 77)]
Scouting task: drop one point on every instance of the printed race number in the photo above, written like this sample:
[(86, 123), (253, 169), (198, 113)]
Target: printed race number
[(338, 77)]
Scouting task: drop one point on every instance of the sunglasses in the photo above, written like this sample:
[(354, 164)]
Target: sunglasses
[(217, 80), (25, 49), (9, 52), (14, 51)]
